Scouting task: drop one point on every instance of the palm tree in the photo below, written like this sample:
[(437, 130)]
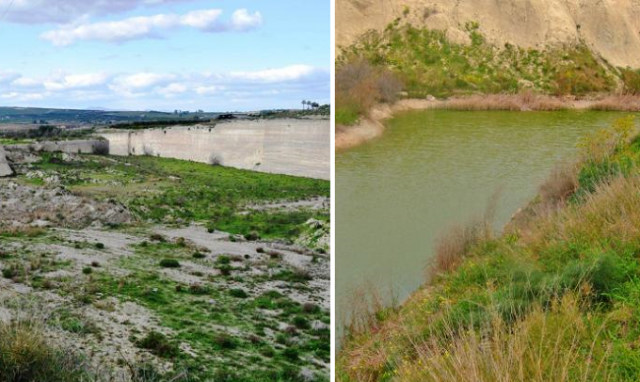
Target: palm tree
[(304, 102)]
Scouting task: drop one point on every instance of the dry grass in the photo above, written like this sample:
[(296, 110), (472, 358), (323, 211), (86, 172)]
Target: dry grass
[(627, 102), (559, 186), (454, 244), (524, 101), (26, 356), (540, 348)]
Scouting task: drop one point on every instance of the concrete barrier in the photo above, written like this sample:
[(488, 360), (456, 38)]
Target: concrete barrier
[(299, 147)]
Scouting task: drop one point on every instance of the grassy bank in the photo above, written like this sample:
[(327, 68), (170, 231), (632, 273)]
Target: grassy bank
[(425, 63), (561, 284)]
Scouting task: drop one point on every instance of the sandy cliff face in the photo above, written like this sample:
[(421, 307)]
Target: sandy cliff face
[(299, 147), (611, 28)]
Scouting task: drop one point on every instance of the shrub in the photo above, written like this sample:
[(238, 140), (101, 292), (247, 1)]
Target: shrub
[(158, 344), (223, 260), (238, 293), (99, 245), (169, 263), (199, 255), (301, 322), (9, 272), (225, 341), (87, 270)]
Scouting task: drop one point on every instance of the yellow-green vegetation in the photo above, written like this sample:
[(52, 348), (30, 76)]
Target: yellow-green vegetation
[(554, 298), (175, 191), (426, 62)]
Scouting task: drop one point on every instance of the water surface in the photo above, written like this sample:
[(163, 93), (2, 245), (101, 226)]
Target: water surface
[(396, 194)]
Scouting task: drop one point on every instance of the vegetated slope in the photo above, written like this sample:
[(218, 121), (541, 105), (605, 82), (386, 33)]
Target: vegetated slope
[(428, 62), (150, 269), (609, 28), (560, 285)]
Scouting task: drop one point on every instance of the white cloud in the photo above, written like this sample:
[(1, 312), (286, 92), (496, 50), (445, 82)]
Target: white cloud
[(156, 90), (209, 90), (65, 11), (288, 73), (26, 82), (74, 81), (142, 27), (8, 76), (242, 20), (131, 84)]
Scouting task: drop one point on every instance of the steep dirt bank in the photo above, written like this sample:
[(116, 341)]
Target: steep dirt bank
[(372, 127), (610, 28)]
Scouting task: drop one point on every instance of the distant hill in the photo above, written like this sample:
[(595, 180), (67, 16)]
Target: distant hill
[(55, 116)]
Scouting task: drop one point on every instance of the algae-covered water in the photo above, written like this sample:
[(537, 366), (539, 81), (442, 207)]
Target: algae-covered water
[(431, 169)]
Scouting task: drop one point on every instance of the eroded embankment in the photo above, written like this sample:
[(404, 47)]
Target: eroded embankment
[(372, 126), (299, 147)]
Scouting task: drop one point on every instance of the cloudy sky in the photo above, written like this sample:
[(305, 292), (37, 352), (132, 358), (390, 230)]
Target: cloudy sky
[(164, 54)]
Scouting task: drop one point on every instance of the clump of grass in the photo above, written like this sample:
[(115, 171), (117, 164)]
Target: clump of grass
[(238, 293), (169, 263), (544, 346), (158, 344), (26, 356)]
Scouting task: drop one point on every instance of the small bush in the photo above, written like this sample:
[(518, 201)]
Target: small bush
[(238, 293), (99, 245), (169, 263), (9, 272), (87, 270), (301, 322), (199, 255), (225, 341), (158, 344)]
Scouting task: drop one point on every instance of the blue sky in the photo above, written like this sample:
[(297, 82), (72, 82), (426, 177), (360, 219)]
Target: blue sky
[(164, 54)]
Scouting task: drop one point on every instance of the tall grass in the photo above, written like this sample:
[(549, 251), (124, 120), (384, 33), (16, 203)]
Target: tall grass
[(544, 346), (25, 356)]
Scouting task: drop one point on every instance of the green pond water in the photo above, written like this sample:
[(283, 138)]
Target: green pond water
[(431, 169)]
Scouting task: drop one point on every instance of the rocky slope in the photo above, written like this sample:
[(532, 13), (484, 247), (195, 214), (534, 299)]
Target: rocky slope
[(610, 28)]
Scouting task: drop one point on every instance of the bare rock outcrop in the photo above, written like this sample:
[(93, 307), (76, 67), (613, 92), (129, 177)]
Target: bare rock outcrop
[(611, 28), (5, 169), (24, 205)]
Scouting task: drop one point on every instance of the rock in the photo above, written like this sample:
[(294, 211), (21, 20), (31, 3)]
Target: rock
[(40, 223), (5, 169), (430, 97)]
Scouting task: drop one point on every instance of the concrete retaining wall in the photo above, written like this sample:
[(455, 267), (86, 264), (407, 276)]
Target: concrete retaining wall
[(284, 146)]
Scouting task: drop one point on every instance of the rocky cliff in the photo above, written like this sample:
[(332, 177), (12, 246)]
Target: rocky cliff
[(610, 28)]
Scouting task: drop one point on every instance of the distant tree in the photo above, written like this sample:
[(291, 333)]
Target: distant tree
[(304, 103)]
